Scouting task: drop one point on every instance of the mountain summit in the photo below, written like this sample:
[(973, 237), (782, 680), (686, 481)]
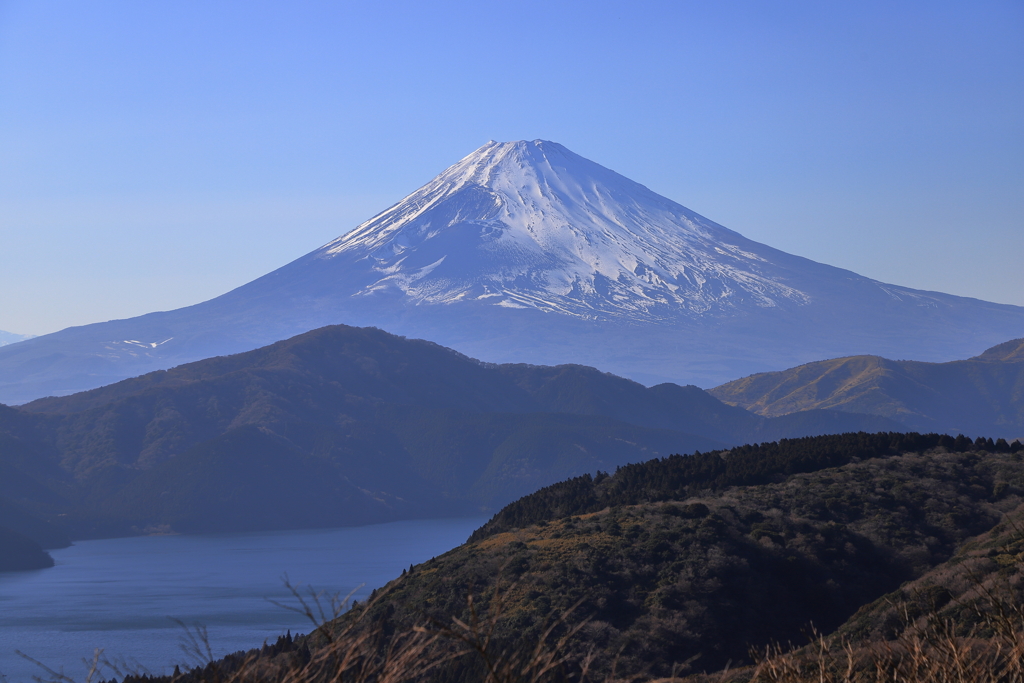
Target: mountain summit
[(526, 252), (533, 225)]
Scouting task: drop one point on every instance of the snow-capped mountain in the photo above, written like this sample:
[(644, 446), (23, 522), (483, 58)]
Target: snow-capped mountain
[(525, 251), (532, 225)]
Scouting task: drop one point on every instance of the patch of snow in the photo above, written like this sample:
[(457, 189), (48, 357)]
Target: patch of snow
[(137, 343)]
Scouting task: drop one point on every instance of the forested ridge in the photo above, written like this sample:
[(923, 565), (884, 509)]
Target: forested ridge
[(677, 476)]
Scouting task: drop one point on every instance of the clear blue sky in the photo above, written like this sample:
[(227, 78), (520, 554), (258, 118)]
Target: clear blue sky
[(156, 154)]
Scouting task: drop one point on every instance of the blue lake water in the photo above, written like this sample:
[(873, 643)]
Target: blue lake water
[(123, 595)]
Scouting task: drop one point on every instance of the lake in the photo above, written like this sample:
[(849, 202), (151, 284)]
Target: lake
[(127, 595)]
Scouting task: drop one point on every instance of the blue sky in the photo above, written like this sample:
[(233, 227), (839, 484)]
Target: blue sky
[(156, 154)]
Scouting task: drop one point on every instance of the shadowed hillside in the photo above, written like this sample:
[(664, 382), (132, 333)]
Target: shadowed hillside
[(345, 426), (20, 553)]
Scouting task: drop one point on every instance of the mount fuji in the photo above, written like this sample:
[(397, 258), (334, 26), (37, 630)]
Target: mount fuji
[(526, 252)]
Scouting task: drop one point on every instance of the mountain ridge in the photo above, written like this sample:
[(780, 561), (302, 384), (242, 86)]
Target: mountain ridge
[(1012, 350), (980, 395), (7, 338), (342, 426), (527, 252)]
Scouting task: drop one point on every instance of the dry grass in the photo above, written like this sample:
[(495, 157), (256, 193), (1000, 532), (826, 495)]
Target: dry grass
[(929, 649), (359, 652), (351, 650), (937, 655)]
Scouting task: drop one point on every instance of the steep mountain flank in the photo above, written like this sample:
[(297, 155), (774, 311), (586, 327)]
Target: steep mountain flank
[(981, 395), (526, 252)]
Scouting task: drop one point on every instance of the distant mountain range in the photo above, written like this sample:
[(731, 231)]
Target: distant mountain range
[(10, 337), (343, 426), (527, 252), (983, 395)]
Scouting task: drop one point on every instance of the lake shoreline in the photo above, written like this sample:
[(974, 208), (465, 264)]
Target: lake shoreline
[(131, 595)]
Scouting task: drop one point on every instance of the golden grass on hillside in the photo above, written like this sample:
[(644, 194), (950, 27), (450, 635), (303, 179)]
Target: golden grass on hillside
[(929, 649), (936, 655), (353, 651), (369, 653)]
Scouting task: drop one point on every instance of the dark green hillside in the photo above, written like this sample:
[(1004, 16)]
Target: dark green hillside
[(523, 452), (981, 395), (243, 480), (365, 364), (20, 553), (581, 390), (985, 575), (32, 483), (386, 427), (679, 477), (47, 535), (719, 567), (587, 391)]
